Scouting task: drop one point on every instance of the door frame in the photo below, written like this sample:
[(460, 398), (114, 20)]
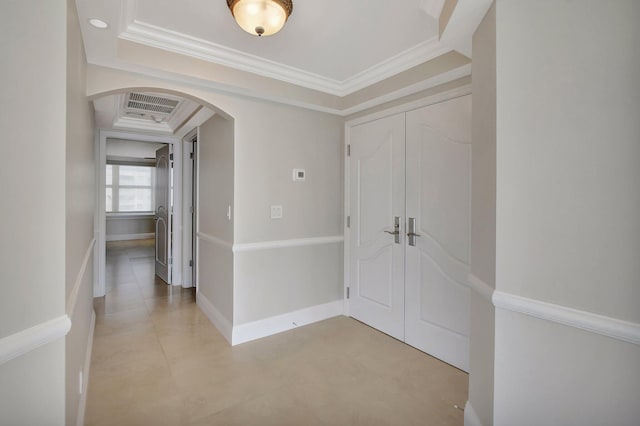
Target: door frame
[(189, 218), (99, 284), (410, 106)]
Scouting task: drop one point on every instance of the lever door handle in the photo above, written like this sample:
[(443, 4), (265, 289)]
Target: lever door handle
[(396, 230), (412, 234)]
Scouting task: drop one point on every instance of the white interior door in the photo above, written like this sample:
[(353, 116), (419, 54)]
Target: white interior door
[(438, 191), (413, 286), (163, 213), (376, 199)]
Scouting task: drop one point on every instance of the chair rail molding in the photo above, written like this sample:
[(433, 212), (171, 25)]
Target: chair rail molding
[(607, 326), (27, 340), (214, 240), (480, 287), (295, 242)]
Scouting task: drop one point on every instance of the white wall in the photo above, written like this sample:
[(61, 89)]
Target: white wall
[(32, 230), (568, 144), (483, 219)]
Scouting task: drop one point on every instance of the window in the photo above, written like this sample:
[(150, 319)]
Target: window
[(129, 188)]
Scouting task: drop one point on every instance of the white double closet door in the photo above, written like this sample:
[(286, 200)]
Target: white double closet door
[(410, 173)]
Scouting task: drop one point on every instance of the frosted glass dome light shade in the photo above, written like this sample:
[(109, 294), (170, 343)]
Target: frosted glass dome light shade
[(261, 17)]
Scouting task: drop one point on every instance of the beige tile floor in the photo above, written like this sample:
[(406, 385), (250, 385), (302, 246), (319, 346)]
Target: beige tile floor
[(157, 360)]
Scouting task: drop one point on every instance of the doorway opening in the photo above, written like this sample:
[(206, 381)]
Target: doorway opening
[(145, 180)]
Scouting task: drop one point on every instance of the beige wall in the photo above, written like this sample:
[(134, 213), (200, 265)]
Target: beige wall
[(272, 140), (215, 196), (568, 144), (123, 227), (276, 281), (483, 217), (80, 201), (32, 388), (568, 150), (32, 230)]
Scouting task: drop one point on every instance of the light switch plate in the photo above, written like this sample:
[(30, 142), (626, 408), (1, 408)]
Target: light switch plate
[(276, 212)]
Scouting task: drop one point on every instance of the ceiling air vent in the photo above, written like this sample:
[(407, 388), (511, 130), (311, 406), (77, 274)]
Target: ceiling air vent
[(151, 103)]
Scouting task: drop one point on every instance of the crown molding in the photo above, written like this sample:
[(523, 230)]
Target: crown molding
[(173, 41), (429, 83), (416, 55)]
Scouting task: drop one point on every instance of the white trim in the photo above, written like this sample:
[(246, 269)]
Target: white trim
[(215, 316), (214, 240), (296, 242), (73, 296), (416, 55), (277, 324), (480, 287), (129, 215), (588, 321), (607, 326), (470, 416), (85, 372), (24, 341), (141, 125), (434, 81), (410, 106), (173, 41), (127, 237)]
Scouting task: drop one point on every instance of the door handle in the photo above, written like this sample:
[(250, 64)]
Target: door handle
[(412, 231), (396, 230)]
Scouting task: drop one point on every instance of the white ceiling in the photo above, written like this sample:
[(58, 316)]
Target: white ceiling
[(335, 39), (333, 46)]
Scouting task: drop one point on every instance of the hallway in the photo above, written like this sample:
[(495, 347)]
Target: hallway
[(158, 360)]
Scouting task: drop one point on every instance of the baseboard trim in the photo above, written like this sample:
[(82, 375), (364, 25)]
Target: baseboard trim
[(82, 406), (296, 242), (277, 324), (73, 296), (470, 416), (215, 316), (480, 287), (128, 237), (24, 341), (588, 321)]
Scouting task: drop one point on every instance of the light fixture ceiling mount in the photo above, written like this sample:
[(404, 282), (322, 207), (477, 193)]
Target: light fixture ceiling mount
[(261, 17)]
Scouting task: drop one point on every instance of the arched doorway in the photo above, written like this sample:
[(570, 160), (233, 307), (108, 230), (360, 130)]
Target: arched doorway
[(154, 115)]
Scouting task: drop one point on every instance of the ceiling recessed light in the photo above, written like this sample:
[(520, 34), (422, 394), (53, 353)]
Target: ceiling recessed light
[(98, 23)]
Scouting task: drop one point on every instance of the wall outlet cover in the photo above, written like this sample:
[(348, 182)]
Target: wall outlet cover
[(276, 212)]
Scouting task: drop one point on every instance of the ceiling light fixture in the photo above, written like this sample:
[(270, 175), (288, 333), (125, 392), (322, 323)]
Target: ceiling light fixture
[(98, 23), (261, 17)]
